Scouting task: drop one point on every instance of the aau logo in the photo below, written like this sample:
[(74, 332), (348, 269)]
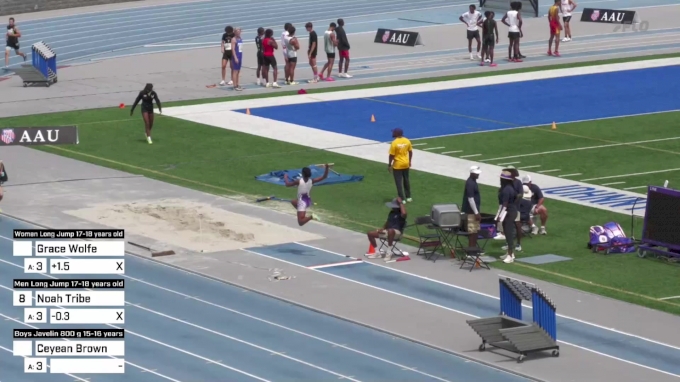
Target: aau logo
[(7, 136), (595, 15), (386, 36)]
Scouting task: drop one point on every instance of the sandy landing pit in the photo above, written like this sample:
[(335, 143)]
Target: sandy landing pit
[(191, 225)]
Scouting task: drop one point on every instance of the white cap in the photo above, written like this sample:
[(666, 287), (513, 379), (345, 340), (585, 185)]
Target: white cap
[(475, 170), (526, 179), (527, 192)]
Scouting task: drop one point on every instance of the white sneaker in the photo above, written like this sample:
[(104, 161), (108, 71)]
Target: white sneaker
[(479, 56), (258, 82), (504, 256), (347, 75), (230, 83), (388, 257), (373, 255), (543, 231), (487, 60), (276, 85), (518, 248), (316, 217), (222, 83), (268, 85), (499, 236), (509, 259), (472, 56), (313, 81), (534, 230), (148, 139)]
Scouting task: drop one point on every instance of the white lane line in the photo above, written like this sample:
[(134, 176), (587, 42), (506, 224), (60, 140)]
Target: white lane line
[(635, 188), (546, 171), (452, 152), (471, 155), (612, 183), (335, 264), (526, 167), (568, 175), (434, 148)]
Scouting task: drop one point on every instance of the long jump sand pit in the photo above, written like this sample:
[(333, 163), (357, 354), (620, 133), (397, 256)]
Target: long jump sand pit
[(191, 225)]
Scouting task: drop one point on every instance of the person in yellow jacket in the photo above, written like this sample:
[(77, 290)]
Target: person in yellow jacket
[(401, 154)]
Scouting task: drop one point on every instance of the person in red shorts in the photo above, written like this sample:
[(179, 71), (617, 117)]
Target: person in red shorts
[(555, 28), (343, 48)]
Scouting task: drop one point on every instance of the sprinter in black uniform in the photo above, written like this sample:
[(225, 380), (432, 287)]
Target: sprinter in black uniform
[(13, 35), (260, 53), (227, 53), (147, 96)]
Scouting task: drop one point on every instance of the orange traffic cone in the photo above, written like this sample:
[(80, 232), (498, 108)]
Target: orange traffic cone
[(372, 118), (371, 249), (247, 111), (554, 126)]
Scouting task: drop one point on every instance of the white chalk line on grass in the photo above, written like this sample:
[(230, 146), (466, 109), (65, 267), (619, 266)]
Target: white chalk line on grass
[(581, 149), (634, 174), (669, 298)]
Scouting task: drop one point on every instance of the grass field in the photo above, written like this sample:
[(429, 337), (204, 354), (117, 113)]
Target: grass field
[(626, 153), (224, 162)]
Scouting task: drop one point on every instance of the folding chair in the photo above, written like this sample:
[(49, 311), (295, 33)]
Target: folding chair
[(395, 251), (473, 258), (525, 217), (429, 239)]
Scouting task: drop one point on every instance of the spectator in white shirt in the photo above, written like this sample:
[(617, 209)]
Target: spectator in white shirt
[(472, 19)]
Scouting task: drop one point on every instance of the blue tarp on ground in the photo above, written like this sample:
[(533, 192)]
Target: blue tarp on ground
[(276, 177)]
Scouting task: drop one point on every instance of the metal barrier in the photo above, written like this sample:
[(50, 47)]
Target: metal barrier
[(507, 331)]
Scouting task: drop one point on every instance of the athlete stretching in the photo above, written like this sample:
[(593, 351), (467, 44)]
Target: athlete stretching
[(304, 201)]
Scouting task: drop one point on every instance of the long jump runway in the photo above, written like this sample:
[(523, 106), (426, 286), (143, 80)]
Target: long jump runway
[(182, 327)]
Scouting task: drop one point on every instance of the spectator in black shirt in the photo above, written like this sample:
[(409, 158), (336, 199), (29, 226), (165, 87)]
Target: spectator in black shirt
[(519, 189), (472, 205), (391, 231), (343, 48), (147, 97), (312, 50), (260, 53), (537, 208), (227, 53), (507, 213)]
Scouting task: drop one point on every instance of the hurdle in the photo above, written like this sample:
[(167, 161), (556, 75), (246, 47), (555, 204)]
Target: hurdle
[(507, 331)]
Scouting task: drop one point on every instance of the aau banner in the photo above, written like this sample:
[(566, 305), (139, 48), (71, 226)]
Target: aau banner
[(609, 16), (395, 37), (28, 136)]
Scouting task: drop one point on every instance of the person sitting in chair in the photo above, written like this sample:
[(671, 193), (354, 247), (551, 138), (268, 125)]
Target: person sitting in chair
[(391, 231)]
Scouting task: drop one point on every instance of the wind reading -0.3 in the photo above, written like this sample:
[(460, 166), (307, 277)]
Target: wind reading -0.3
[(63, 293)]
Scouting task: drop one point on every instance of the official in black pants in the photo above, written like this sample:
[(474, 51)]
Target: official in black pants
[(507, 213), (401, 154)]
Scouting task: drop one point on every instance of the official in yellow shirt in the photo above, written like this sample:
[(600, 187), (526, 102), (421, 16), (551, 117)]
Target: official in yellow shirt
[(401, 153)]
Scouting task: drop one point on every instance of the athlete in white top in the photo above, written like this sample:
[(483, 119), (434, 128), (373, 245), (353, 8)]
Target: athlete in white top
[(283, 48), (472, 19), (304, 185), (513, 19), (567, 7), (291, 46)]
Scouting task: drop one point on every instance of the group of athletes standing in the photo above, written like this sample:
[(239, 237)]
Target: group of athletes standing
[(334, 39), (513, 20)]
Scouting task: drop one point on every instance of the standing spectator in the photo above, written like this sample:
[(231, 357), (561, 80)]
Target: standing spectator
[(568, 7), (269, 45), (513, 19), (507, 214), (284, 35), (13, 36), (260, 54), (472, 205), (291, 46), (237, 59), (3, 178), (401, 153), (227, 54), (343, 47), (490, 38), (312, 51), (329, 43), (537, 207), (519, 190), (555, 29), (471, 19)]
